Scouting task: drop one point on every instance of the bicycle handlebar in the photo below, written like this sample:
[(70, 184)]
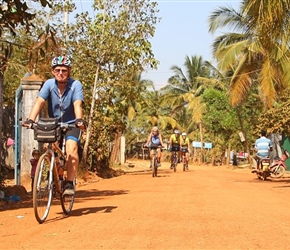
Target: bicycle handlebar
[(60, 124), (153, 147)]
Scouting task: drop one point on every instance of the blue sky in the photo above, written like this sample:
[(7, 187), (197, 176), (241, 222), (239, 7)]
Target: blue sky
[(183, 31)]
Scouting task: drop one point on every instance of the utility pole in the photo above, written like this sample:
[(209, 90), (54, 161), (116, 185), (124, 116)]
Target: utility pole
[(66, 16)]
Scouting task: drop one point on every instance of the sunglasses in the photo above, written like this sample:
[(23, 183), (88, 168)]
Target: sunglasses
[(64, 71)]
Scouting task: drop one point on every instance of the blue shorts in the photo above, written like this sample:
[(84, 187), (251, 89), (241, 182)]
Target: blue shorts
[(73, 134)]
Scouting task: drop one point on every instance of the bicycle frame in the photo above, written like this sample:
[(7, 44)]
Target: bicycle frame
[(53, 178), (47, 180), (184, 159), (53, 172), (154, 161), (175, 159)]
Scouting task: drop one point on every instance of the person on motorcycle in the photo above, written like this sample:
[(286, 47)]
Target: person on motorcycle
[(184, 145), (262, 147), (174, 144), (155, 139)]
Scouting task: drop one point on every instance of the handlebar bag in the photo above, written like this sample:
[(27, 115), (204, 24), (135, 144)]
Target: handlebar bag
[(47, 130)]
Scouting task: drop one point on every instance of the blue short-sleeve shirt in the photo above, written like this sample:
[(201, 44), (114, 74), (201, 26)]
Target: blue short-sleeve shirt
[(62, 107), (263, 146)]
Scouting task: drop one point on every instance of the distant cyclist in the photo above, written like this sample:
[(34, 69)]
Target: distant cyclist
[(155, 139), (184, 145), (65, 98), (174, 144)]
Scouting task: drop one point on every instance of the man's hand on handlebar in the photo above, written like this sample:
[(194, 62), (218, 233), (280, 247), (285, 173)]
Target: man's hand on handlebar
[(80, 123), (28, 123)]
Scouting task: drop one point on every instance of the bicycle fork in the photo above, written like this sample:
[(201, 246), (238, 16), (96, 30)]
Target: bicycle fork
[(53, 178)]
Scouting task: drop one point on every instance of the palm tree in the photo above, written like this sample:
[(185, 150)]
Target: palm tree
[(154, 112), (184, 91), (257, 51)]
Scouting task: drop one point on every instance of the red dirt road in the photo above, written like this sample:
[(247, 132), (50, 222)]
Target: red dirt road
[(204, 208)]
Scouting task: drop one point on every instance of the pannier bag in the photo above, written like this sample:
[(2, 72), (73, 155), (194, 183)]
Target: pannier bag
[(47, 130)]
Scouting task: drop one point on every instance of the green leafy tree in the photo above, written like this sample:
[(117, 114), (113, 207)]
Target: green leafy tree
[(109, 50), (220, 119), (276, 119), (184, 91), (257, 49), (13, 14)]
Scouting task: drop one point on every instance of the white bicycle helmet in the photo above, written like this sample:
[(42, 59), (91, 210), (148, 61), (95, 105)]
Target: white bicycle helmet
[(176, 131), (183, 133), (61, 61)]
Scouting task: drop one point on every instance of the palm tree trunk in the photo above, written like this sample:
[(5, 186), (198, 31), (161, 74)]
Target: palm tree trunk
[(244, 132)]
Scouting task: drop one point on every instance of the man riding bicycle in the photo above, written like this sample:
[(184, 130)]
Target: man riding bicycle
[(65, 98), (174, 144)]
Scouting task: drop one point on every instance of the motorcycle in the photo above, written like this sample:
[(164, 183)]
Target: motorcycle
[(278, 167), (275, 170), (263, 167)]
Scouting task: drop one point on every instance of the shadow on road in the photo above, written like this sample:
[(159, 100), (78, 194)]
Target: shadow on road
[(95, 192), (81, 196), (81, 212), (92, 210), (160, 173)]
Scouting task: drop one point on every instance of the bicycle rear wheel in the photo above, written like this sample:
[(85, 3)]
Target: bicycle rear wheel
[(66, 202), (42, 189)]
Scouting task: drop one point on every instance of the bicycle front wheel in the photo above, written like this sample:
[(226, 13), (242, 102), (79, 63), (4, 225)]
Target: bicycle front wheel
[(174, 165), (42, 189), (66, 202), (154, 166)]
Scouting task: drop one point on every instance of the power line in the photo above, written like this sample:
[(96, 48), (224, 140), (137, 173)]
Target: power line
[(81, 2)]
